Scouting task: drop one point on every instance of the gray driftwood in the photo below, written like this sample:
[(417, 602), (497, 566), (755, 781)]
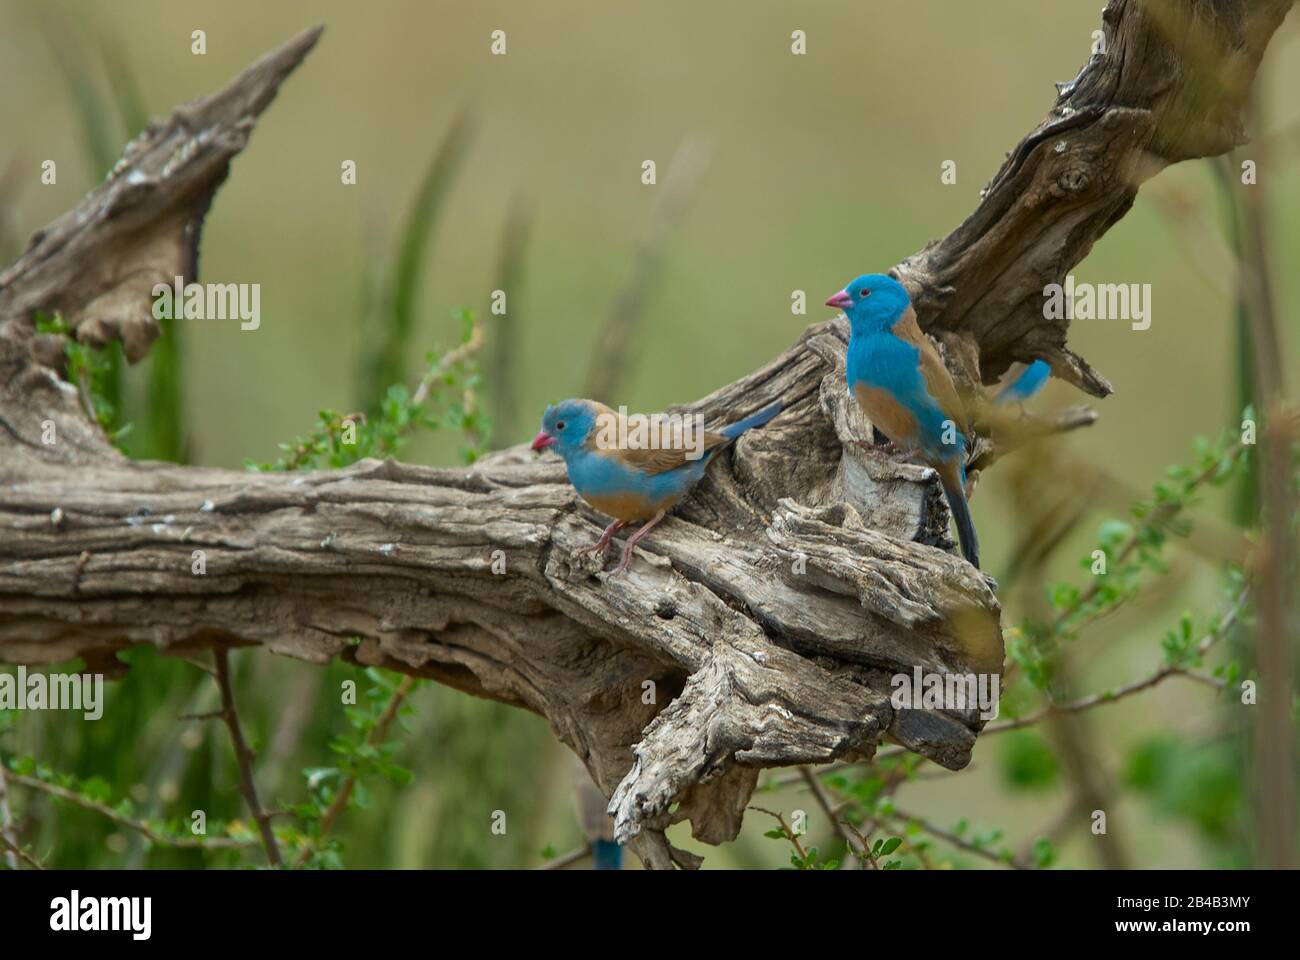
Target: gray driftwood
[(758, 627)]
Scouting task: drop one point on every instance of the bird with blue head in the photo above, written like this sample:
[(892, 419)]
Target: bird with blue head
[(895, 374), (638, 479)]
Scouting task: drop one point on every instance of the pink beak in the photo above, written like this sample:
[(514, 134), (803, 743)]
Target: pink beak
[(840, 301), (542, 440)]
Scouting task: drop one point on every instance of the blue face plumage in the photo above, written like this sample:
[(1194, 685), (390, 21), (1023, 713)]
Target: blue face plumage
[(872, 302), (567, 425)]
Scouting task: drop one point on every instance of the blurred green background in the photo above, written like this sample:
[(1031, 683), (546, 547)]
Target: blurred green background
[(819, 167)]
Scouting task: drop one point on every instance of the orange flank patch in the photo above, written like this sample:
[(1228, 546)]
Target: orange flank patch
[(950, 473), (893, 419), (628, 507)]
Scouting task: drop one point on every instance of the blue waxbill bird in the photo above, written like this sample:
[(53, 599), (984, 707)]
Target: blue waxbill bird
[(897, 378), (630, 484)]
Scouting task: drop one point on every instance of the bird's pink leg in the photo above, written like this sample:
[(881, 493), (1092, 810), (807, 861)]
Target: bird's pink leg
[(633, 540), (878, 441), (602, 544)]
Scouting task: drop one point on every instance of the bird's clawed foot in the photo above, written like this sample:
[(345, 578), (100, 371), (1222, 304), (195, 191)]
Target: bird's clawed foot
[(887, 447), (632, 541), (601, 545), (882, 442), (627, 559)]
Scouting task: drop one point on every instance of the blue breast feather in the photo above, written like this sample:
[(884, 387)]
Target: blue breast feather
[(593, 474), (886, 362)]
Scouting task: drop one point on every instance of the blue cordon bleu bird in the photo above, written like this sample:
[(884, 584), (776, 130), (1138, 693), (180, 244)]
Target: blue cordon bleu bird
[(1023, 381), (633, 480), (896, 376)]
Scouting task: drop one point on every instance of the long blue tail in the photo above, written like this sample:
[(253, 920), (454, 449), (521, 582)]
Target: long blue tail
[(606, 854), (754, 420), (1029, 382), (951, 476)]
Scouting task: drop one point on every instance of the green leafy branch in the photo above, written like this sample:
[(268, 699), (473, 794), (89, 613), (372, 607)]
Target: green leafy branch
[(1128, 551), (446, 396), (1183, 654), (864, 804), (801, 858), (95, 795), (365, 756)]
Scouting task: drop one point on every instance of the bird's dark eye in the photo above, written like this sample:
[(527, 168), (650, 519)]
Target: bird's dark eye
[(559, 425), (864, 293)]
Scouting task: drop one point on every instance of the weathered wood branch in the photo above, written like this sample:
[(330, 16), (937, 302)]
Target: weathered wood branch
[(759, 626), (1170, 86)]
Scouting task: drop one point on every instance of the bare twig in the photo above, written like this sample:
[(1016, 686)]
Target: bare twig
[(14, 853), (244, 758), (824, 801), (200, 665)]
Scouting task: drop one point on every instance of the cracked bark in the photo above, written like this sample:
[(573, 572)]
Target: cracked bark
[(762, 621)]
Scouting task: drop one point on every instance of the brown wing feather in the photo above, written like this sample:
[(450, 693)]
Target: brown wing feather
[(651, 459), (664, 459), (937, 377)]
